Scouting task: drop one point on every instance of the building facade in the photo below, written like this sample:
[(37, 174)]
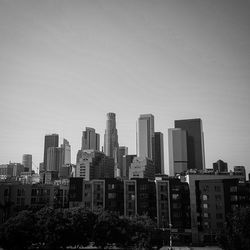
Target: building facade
[(177, 146), (145, 134), (27, 162), (90, 139), (195, 142), (49, 141), (158, 153)]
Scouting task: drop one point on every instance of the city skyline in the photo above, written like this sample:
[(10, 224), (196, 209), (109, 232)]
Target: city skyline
[(65, 65)]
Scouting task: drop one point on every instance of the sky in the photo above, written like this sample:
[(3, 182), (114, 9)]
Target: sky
[(65, 64)]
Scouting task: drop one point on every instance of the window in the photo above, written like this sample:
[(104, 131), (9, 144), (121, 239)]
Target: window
[(143, 187), (205, 205), (111, 186), (164, 197), (217, 188), (219, 224), (233, 198), (205, 188), (175, 196), (131, 188), (233, 189), (206, 215), (218, 197), (219, 216), (111, 195), (87, 186), (204, 197)]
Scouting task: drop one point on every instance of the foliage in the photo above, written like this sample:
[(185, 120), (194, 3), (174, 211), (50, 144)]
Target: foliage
[(236, 235), (18, 232), (57, 229)]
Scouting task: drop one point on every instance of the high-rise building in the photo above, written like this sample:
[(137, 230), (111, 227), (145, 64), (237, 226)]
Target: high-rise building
[(111, 146), (66, 152), (49, 141), (90, 139), (111, 138), (142, 167), (55, 158), (94, 164), (195, 142), (158, 152), (127, 160), (177, 147), (145, 134), (220, 166), (27, 162), (122, 152)]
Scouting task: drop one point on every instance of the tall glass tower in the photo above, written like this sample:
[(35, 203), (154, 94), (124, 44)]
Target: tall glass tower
[(111, 145), (145, 134)]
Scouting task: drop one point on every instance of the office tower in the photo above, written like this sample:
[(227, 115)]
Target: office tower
[(27, 162), (111, 138), (142, 167), (195, 142), (145, 134), (158, 152), (94, 164), (111, 146), (66, 152), (177, 147), (90, 139), (220, 166), (49, 141), (127, 160), (240, 170), (122, 152)]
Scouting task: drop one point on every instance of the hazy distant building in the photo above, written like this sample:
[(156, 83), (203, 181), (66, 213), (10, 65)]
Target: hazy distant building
[(94, 164), (142, 167), (49, 141), (177, 146), (158, 152), (27, 162), (127, 160), (220, 166), (90, 139), (55, 159), (195, 142), (111, 145), (145, 134), (122, 152), (66, 152)]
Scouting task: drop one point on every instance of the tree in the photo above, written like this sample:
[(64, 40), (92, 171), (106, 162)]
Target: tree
[(53, 229), (82, 226), (18, 231), (236, 235)]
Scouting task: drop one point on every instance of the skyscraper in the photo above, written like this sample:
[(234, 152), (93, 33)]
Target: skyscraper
[(27, 162), (49, 141), (122, 151), (158, 152), (177, 147), (111, 138), (90, 139), (145, 134), (195, 142), (66, 152)]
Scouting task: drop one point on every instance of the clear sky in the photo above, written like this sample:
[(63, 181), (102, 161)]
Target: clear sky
[(65, 64)]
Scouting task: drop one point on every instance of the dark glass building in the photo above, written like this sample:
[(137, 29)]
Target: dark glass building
[(49, 141), (158, 153), (195, 142)]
